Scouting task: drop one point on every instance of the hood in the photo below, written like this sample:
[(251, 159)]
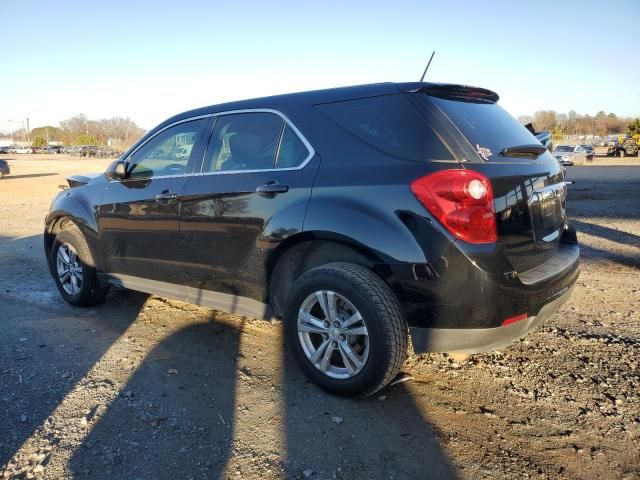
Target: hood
[(80, 180)]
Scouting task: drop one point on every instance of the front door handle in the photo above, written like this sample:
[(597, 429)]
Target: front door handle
[(166, 196), (270, 189)]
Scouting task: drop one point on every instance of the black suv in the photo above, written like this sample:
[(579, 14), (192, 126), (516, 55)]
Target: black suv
[(358, 215)]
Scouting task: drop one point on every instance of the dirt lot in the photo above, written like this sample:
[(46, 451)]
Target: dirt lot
[(145, 387)]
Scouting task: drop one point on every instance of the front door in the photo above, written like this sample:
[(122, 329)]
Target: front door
[(139, 215), (252, 194)]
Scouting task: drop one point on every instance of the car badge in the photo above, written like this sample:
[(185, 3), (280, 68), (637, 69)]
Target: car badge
[(483, 152)]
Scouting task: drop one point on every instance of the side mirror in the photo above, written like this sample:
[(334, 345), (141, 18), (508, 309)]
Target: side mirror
[(120, 171), (117, 170)]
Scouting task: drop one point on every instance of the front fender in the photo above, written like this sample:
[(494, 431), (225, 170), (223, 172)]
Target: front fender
[(77, 205)]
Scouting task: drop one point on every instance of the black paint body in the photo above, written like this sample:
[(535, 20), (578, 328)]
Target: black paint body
[(351, 201)]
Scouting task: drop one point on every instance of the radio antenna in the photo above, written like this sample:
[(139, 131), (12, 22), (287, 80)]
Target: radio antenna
[(427, 67)]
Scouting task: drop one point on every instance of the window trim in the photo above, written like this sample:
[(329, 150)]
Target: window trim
[(215, 116), (311, 151)]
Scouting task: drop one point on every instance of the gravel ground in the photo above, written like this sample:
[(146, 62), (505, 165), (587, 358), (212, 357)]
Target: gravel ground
[(145, 387)]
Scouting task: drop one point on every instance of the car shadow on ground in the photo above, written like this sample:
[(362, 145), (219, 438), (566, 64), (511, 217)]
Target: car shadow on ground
[(28, 175), (179, 419), (47, 346), (383, 436), (607, 233)]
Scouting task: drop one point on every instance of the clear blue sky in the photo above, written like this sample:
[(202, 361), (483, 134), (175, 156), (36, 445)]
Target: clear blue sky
[(152, 59)]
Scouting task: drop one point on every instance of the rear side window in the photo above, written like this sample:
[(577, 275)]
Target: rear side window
[(253, 141), (485, 125), (244, 141), (390, 124)]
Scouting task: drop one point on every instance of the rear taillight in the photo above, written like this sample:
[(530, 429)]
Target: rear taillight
[(462, 201)]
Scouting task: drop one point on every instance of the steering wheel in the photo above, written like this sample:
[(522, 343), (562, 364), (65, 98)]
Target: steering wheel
[(174, 169)]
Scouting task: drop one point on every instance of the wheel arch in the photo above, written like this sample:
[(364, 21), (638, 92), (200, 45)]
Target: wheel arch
[(61, 220), (307, 250)]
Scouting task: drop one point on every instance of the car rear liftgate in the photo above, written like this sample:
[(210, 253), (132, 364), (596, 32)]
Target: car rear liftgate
[(527, 183)]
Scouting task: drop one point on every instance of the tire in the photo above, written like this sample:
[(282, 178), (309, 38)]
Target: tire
[(82, 287), (378, 353)]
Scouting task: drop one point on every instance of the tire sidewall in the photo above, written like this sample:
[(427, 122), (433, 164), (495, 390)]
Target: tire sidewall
[(87, 292), (379, 354)]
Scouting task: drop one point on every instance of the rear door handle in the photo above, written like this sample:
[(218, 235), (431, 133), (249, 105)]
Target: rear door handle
[(270, 189), (166, 196)]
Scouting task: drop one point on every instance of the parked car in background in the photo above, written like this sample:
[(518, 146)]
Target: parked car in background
[(628, 148), (591, 152), (568, 155), (434, 213), (5, 150), (50, 150), (22, 150), (4, 168)]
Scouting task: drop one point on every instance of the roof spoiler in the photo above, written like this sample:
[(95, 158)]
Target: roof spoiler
[(463, 93)]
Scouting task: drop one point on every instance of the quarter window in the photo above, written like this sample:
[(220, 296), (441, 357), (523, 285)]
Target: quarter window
[(292, 151), (169, 152), (390, 124)]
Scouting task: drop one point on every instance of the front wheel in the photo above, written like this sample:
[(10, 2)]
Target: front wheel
[(72, 267), (345, 329)]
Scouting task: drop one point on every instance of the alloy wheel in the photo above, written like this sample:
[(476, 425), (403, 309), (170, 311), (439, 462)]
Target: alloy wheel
[(69, 269), (333, 334)]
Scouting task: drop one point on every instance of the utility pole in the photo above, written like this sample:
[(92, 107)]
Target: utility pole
[(28, 136)]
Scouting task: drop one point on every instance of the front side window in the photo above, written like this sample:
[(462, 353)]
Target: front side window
[(169, 152)]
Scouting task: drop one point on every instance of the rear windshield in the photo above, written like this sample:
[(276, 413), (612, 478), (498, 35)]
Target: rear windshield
[(485, 125), (391, 124), (565, 148)]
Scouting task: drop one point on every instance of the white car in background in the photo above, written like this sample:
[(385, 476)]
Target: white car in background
[(570, 154), (21, 150)]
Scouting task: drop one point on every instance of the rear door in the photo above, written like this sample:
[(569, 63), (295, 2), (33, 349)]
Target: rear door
[(251, 194), (139, 216), (529, 192)]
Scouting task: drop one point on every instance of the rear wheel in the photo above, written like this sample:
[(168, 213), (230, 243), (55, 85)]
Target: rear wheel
[(73, 269), (345, 329)]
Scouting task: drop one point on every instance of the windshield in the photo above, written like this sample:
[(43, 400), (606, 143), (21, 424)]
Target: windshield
[(565, 148)]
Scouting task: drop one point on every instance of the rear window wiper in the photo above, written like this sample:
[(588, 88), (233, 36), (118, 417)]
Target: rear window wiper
[(528, 151)]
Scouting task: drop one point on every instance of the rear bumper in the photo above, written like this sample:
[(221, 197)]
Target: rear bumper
[(476, 340)]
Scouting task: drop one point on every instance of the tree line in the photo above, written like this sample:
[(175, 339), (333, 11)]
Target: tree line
[(572, 123), (80, 130)]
